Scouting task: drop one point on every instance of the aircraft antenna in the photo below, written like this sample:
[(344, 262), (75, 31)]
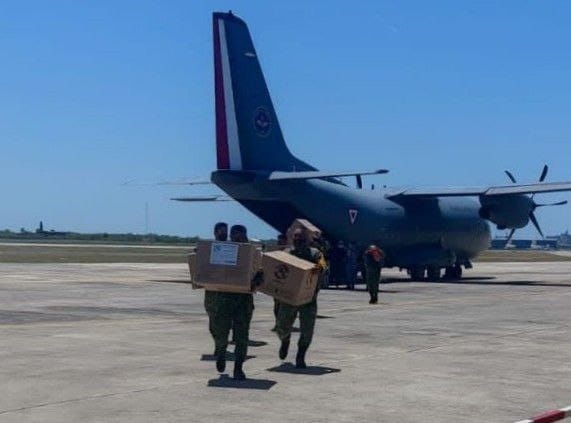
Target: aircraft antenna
[(146, 218)]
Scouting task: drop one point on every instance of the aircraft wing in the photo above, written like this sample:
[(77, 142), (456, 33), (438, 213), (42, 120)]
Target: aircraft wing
[(186, 182), (316, 174), (485, 191), (204, 198), (177, 182)]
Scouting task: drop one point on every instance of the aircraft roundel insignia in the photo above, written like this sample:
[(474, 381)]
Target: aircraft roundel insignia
[(353, 215), (262, 122)]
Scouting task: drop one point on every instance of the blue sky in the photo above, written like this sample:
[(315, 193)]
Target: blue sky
[(441, 93)]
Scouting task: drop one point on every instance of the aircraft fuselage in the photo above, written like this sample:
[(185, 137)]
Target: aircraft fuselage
[(438, 231), (422, 229)]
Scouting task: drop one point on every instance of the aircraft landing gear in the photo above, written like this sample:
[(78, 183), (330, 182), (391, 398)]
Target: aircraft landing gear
[(453, 272), (433, 273), (416, 273)]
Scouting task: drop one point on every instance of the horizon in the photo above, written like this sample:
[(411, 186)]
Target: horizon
[(65, 232)]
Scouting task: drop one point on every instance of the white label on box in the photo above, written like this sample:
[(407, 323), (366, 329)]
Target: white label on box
[(224, 254)]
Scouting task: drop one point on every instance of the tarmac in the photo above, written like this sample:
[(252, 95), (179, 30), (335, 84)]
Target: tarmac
[(129, 342)]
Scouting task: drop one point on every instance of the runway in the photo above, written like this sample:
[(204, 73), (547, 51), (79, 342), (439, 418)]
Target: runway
[(129, 342)]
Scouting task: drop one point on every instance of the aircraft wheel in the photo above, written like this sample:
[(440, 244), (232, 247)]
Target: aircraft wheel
[(433, 273), (417, 273), (449, 273), (453, 272)]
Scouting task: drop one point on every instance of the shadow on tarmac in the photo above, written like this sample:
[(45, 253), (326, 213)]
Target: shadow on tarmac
[(310, 370), (224, 381), (364, 289), (480, 281), (442, 280), (256, 343), (229, 357), (251, 343), (185, 281)]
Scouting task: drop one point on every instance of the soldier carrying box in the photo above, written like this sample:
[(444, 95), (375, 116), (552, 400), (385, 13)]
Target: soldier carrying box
[(230, 310), (307, 312)]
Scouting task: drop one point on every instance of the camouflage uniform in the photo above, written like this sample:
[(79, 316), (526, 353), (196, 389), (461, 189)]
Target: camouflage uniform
[(228, 310), (372, 275), (307, 312)]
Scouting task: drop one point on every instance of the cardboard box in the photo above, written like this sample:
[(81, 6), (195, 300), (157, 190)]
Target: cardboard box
[(312, 230), (271, 248), (226, 266), (192, 270), (289, 279)]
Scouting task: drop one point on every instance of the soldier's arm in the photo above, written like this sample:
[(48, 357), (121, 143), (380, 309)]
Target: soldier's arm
[(257, 280), (320, 262)]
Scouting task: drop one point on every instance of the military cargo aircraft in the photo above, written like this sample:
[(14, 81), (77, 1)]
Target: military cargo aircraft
[(421, 230)]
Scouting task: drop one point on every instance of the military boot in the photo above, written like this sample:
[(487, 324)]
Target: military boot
[(300, 357), (284, 348), (220, 360), (238, 372)]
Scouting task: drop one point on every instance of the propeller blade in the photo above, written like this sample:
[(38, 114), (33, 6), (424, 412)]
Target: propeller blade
[(510, 236), (560, 203), (359, 181), (534, 221), (542, 177), (510, 176), (543, 173)]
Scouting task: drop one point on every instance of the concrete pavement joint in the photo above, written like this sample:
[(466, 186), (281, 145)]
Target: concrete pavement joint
[(91, 397), (507, 335)]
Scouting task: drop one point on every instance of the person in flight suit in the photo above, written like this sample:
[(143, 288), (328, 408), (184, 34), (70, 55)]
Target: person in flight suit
[(228, 310), (307, 312), (373, 261), (337, 264), (351, 267)]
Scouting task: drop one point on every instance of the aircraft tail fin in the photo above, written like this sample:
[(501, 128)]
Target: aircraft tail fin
[(248, 135)]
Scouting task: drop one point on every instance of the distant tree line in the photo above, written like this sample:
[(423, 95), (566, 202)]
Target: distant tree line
[(7, 234)]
